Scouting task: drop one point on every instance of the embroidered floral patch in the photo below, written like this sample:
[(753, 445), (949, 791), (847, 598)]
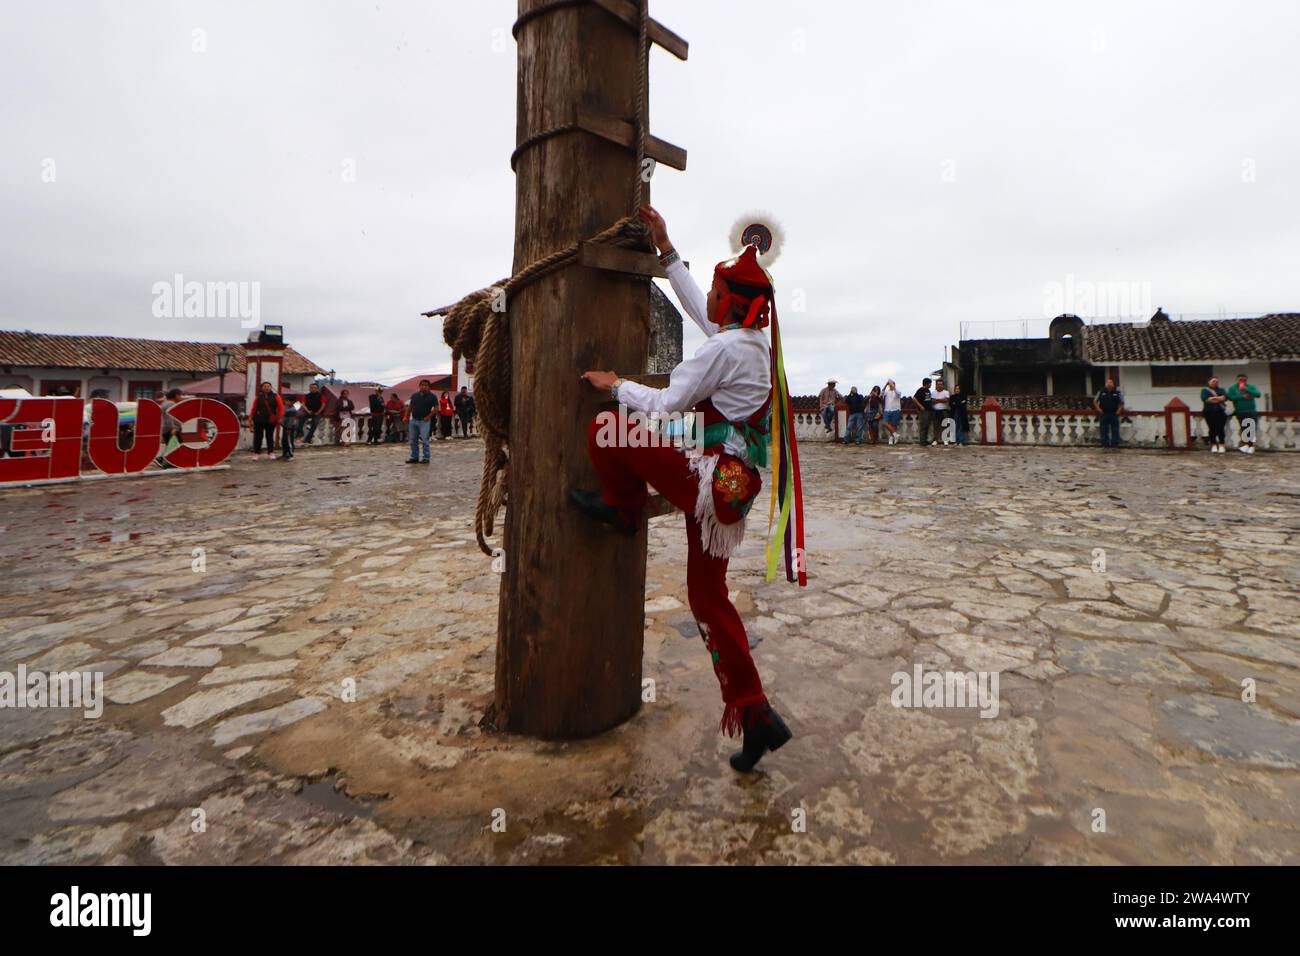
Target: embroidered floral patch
[(731, 480)]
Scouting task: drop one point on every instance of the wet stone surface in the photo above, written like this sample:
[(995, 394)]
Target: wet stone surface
[(313, 691)]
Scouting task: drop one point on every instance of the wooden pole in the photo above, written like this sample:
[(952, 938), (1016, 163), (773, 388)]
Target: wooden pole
[(571, 616)]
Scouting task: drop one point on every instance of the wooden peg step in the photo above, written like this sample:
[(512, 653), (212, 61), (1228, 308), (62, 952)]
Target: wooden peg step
[(656, 32), (624, 134), (598, 255)]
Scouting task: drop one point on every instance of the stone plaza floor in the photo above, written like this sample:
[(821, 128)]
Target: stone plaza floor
[(1128, 602)]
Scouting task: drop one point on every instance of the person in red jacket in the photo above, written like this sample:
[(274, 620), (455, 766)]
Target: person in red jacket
[(265, 415), (394, 417), (446, 412)]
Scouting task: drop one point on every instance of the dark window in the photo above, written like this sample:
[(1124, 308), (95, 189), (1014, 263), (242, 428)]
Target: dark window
[(1180, 376), (1069, 382), (139, 390), (1014, 382), (58, 386)]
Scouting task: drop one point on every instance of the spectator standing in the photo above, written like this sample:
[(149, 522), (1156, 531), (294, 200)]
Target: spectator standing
[(827, 399), (171, 427), (268, 409), (424, 404), (939, 399), (7, 432), (376, 416), (857, 416), (1109, 404), (960, 417), (346, 424), (289, 429), (875, 409), (1214, 408), (892, 415), (1243, 395), (446, 412), (314, 403), (393, 416), (924, 414), (465, 410)]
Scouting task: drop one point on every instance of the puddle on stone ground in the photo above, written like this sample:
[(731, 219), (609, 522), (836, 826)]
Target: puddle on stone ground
[(321, 793)]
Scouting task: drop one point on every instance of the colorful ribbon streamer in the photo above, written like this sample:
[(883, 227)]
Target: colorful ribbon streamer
[(785, 512)]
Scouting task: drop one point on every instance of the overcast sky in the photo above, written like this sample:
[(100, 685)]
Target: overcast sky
[(931, 163)]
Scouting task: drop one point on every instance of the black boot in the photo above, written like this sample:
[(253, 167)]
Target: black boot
[(768, 732), (593, 506)]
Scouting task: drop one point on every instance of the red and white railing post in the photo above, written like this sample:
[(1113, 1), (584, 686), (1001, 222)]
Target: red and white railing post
[(991, 422), (1178, 425)]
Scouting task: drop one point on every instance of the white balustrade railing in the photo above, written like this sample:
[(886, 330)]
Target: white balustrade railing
[(1278, 431)]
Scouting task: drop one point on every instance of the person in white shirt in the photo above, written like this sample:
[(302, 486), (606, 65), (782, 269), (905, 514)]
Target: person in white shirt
[(729, 383), (940, 397), (893, 416)]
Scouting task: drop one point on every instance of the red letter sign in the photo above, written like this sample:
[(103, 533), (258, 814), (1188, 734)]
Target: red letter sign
[(223, 443), (104, 450), (61, 437)]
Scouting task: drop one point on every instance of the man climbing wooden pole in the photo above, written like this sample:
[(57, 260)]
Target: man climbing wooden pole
[(571, 616), (736, 386)]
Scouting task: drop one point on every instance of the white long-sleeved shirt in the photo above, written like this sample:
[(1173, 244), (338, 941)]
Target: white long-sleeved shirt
[(733, 368)]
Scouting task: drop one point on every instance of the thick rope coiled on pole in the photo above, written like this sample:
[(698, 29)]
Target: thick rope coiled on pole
[(478, 326)]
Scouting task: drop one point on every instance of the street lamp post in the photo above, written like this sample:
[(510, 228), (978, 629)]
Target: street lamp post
[(223, 366)]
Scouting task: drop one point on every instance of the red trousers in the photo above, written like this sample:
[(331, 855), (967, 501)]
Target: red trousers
[(624, 473)]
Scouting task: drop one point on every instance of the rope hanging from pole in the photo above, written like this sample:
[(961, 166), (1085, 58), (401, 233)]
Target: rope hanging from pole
[(642, 99), (478, 325)]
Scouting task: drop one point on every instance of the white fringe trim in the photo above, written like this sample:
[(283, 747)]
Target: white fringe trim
[(718, 539)]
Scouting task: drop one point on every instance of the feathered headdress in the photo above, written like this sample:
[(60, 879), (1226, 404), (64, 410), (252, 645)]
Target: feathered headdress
[(761, 231), (757, 235)]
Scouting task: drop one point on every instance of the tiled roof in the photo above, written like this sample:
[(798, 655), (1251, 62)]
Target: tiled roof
[(108, 351), (1268, 338), (412, 384)]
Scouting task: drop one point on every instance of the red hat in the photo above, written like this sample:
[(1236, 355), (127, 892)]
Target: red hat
[(748, 285)]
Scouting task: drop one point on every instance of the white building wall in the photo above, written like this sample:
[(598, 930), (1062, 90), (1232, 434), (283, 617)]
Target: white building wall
[(463, 376), (21, 377), (1141, 396), (117, 382), (30, 377)]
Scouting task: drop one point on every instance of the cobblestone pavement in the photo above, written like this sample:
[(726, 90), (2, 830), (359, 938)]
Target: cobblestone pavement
[(1121, 689)]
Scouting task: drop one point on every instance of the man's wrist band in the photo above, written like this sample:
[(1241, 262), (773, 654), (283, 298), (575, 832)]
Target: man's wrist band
[(613, 389), (668, 258)]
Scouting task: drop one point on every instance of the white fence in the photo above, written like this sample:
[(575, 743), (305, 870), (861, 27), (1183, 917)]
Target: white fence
[(1278, 431)]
